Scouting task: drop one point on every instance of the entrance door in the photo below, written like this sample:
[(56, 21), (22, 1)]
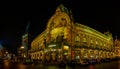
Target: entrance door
[(53, 56), (77, 56)]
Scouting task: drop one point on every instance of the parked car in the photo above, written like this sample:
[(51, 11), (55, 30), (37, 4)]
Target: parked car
[(1, 61), (92, 61), (98, 61), (84, 62), (28, 61), (62, 64), (71, 63)]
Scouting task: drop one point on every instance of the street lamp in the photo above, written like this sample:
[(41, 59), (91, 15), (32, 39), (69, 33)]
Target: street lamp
[(6, 52), (22, 47)]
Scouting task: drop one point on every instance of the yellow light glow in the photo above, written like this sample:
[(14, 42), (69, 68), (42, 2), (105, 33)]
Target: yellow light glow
[(65, 53), (65, 47), (22, 47), (51, 45), (6, 52)]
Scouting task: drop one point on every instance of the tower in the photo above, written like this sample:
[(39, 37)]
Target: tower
[(25, 40)]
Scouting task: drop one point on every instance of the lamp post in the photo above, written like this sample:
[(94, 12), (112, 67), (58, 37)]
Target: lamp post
[(22, 47)]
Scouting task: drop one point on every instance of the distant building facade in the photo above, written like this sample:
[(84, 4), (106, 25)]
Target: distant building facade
[(1, 53), (23, 49), (4, 53), (64, 39)]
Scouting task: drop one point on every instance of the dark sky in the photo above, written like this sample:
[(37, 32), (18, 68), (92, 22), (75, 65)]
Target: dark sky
[(103, 16)]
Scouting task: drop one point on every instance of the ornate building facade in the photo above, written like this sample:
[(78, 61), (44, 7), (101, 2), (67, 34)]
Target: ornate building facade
[(65, 39), (117, 48)]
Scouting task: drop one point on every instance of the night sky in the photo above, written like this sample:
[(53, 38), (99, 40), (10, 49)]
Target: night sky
[(102, 17)]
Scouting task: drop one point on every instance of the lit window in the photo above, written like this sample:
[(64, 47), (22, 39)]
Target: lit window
[(77, 38), (91, 41), (84, 39), (96, 42), (65, 47), (104, 44)]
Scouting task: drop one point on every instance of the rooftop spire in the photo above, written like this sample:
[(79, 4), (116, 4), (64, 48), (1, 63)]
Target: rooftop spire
[(28, 24), (63, 9)]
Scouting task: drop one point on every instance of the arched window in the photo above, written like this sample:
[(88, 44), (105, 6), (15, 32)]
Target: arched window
[(52, 25), (104, 44), (91, 54), (96, 42), (85, 54), (77, 38), (100, 43), (63, 21), (91, 41), (84, 39)]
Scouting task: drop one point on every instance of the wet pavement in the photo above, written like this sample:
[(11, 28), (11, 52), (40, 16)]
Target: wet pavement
[(108, 65)]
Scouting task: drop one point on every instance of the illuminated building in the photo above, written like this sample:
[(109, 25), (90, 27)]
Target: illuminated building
[(64, 39), (25, 41), (117, 48), (22, 52), (1, 52), (23, 49)]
